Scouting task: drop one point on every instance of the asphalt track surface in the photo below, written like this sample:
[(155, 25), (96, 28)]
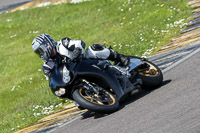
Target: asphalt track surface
[(172, 108), (9, 4)]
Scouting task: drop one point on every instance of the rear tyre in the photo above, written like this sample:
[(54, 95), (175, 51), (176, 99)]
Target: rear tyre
[(151, 77), (103, 103)]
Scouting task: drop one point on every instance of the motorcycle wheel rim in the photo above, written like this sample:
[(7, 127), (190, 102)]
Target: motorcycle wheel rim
[(90, 99), (152, 72)]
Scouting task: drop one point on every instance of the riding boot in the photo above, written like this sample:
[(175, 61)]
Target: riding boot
[(114, 56)]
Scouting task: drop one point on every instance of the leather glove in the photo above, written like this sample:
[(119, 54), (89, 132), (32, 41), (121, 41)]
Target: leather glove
[(76, 53)]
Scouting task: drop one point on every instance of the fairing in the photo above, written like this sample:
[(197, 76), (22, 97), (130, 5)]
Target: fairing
[(87, 69)]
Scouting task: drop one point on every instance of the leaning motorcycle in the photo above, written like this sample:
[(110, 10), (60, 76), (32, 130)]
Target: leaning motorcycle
[(99, 86)]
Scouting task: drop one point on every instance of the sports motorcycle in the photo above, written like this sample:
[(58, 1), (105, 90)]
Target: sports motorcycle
[(99, 85)]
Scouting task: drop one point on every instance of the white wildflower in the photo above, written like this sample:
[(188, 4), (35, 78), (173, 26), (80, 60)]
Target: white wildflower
[(13, 36), (38, 114), (99, 10), (129, 9), (39, 70), (13, 88), (60, 105), (37, 107), (47, 78), (35, 32), (9, 20), (122, 10), (164, 31), (168, 25), (35, 114)]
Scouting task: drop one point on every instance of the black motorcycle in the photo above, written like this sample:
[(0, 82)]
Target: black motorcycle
[(99, 86)]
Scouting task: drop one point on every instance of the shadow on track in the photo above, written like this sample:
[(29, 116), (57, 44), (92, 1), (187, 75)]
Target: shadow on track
[(129, 100)]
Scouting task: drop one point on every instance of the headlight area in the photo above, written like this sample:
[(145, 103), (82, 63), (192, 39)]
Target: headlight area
[(60, 92), (66, 75)]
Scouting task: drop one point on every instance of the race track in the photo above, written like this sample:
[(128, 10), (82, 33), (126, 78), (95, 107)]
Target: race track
[(9, 4), (172, 108)]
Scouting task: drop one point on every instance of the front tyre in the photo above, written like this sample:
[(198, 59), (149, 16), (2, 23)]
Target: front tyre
[(102, 103)]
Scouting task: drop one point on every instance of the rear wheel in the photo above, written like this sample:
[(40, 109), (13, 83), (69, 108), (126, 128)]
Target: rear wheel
[(104, 102), (151, 75)]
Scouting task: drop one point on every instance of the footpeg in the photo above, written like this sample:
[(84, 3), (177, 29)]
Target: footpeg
[(136, 90)]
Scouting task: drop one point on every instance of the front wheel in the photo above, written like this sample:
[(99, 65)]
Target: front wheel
[(103, 102)]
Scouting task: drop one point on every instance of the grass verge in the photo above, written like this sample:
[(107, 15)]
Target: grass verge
[(133, 27)]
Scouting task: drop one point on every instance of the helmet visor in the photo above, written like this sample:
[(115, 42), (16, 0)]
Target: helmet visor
[(41, 52)]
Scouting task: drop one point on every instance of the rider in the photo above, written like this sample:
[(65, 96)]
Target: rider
[(68, 49)]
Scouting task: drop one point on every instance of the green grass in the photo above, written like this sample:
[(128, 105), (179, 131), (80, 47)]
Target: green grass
[(131, 28)]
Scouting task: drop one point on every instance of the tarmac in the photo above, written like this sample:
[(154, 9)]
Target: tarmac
[(180, 47)]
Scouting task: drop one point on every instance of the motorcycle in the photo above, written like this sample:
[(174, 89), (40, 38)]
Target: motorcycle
[(99, 85)]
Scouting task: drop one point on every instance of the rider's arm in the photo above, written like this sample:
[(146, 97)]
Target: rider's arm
[(75, 46), (47, 67)]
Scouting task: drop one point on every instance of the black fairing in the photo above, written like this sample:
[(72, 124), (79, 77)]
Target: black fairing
[(87, 69), (56, 77)]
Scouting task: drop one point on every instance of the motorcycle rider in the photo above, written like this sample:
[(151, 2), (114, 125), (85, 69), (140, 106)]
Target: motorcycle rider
[(68, 49)]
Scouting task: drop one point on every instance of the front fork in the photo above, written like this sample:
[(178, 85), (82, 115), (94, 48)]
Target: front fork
[(90, 87)]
